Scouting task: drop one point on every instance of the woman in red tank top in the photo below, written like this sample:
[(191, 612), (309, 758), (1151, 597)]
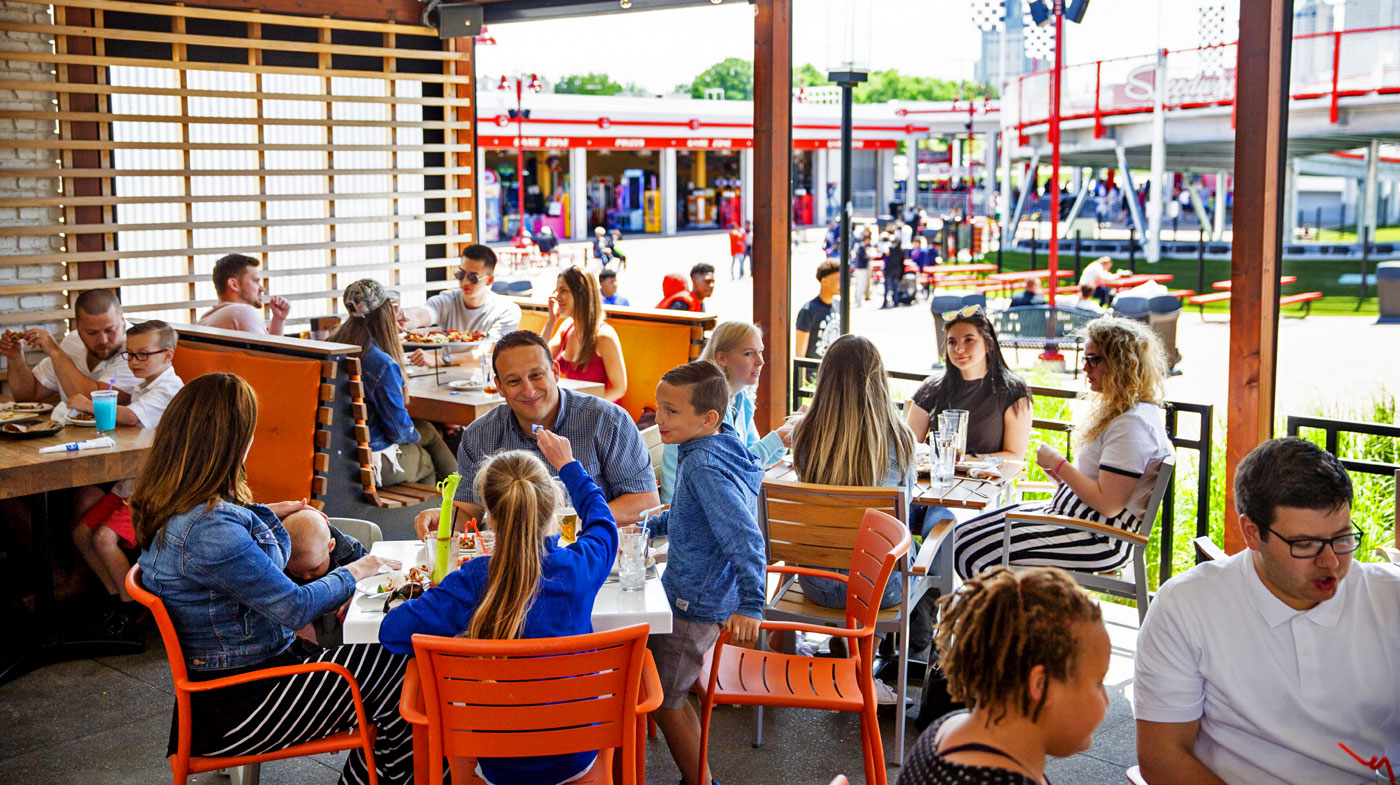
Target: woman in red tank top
[(585, 346)]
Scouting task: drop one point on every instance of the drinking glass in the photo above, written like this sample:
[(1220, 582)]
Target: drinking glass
[(486, 542), (957, 420), (942, 457), (104, 409), (632, 559)]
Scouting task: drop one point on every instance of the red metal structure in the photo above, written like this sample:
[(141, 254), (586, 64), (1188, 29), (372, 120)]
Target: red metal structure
[(1342, 64), (520, 86)]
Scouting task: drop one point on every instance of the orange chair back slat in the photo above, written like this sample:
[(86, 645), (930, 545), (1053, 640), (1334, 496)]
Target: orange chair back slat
[(883, 539), (649, 349), (281, 463), (527, 697)]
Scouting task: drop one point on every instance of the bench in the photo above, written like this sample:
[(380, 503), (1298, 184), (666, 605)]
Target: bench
[(653, 342), (1040, 326), (1302, 298), (411, 496)]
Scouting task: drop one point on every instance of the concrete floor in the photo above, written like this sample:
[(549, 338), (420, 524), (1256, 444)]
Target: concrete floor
[(106, 721)]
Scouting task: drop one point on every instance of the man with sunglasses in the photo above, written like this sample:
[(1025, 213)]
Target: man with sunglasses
[(474, 308), (1251, 669)]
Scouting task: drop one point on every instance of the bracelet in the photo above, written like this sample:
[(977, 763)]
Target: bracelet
[(1061, 465)]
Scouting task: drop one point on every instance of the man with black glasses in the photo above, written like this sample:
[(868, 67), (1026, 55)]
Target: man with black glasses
[(474, 308), (1251, 669)]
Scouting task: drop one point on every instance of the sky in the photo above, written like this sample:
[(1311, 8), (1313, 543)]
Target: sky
[(660, 49)]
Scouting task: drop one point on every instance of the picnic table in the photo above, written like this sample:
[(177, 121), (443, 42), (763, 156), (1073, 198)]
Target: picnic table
[(24, 471), (429, 400), (965, 492), (1137, 279), (1283, 281), (613, 608), (959, 269), (1026, 275)]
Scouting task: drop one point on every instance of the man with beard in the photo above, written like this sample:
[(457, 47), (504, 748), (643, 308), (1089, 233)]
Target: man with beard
[(87, 359), (239, 284), (1250, 669)]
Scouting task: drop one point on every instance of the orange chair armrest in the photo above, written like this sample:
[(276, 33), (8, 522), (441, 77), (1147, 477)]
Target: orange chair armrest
[(411, 699), (272, 673), (837, 632), (649, 698), (808, 571)]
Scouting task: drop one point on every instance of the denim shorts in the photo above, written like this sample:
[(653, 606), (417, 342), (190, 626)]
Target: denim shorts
[(679, 655), (830, 593)]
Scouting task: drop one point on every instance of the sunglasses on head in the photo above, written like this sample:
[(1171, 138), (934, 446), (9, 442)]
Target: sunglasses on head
[(966, 312), (471, 278)]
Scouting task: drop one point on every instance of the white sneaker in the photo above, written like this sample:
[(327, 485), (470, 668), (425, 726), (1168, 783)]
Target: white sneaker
[(884, 696), (806, 647)]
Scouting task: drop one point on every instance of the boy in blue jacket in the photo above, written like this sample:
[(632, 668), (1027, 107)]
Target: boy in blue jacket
[(714, 575)]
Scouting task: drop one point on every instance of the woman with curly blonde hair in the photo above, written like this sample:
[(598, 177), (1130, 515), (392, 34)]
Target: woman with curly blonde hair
[(1121, 445)]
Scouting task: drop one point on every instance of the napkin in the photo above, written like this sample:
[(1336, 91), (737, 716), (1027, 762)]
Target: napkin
[(86, 444)]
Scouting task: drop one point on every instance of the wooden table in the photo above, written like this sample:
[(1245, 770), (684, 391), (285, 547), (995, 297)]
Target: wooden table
[(23, 471), (613, 608), (965, 492), (1026, 275), (435, 402), (1283, 280)]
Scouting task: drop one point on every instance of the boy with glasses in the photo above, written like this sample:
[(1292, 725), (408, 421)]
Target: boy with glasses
[(105, 533), (1251, 669), (474, 308)]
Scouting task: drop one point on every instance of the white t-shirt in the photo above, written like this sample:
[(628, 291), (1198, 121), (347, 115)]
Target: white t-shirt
[(104, 371), (496, 316), (148, 402), (1134, 445), (1275, 688), (1094, 275)]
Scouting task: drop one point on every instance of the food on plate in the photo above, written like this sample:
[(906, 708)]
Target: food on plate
[(444, 336), (419, 575), (16, 427), (77, 416), (30, 407), (467, 541)]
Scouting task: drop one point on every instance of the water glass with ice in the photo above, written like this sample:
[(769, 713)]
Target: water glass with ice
[(942, 457), (632, 559)]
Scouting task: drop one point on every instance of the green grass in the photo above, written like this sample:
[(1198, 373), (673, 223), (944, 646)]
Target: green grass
[(1313, 276), (1384, 234)]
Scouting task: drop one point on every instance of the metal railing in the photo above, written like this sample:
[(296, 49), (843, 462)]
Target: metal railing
[(1331, 65), (804, 370), (1333, 429)]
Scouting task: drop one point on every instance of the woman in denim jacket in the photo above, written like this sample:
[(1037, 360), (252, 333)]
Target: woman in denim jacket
[(404, 450), (215, 559)]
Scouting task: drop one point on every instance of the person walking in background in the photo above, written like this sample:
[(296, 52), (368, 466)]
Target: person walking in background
[(736, 252), (818, 321), (860, 268), (894, 268), (675, 295)]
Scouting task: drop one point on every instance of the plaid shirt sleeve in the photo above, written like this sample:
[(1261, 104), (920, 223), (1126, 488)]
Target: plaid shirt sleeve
[(626, 463)]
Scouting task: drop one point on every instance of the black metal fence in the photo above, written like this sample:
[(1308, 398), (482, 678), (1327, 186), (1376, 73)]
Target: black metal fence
[(1332, 431), (804, 372)]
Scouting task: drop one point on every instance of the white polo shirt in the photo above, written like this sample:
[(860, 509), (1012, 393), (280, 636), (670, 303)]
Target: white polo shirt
[(105, 371), (1275, 688)]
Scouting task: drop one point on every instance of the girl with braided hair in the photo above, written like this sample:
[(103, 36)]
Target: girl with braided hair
[(1027, 652)]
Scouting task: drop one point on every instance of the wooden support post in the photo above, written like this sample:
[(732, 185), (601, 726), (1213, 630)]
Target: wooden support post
[(1266, 30), (772, 199)]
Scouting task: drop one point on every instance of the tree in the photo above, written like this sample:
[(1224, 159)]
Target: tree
[(807, 75), (734, 75), (589, 84)]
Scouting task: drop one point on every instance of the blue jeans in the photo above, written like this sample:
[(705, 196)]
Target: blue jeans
[(831, 593)]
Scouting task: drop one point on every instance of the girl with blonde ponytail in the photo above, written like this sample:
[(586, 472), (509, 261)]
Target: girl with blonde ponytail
[(529, 587)]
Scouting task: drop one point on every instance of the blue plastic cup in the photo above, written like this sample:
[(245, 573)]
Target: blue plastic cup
[(104, 409)]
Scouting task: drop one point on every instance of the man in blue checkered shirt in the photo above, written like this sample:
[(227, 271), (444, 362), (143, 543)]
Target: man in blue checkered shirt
[(603, 436)]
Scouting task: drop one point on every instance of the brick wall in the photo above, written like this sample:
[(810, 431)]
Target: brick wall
[(14, 161)]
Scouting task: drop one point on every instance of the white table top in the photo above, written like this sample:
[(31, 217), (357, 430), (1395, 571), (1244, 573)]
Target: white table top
[(613, 608)]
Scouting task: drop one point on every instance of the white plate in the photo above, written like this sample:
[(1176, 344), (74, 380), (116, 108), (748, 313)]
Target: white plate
[(25, 408), (81, 423), (407, 344), (470, 385), (370, 587)]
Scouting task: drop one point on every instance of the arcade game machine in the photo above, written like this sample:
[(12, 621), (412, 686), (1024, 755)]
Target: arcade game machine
[(652, 210), (600, 189), (700, 208), (490, 206), (627, 203)]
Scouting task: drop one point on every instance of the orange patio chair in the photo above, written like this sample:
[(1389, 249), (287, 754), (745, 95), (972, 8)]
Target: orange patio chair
[(532, 696), (736, 675), (182, 762)]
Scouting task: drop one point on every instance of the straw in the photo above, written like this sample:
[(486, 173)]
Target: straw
[(111, 382), (1376, 763)]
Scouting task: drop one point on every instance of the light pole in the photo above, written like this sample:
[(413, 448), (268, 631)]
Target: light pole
[(521, 84), (848, 49)]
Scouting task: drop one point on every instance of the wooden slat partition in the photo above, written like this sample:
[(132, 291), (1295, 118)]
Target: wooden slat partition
[(349, 148)]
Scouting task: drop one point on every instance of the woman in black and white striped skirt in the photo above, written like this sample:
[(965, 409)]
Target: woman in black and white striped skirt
[(216, 560), (1121, 445)]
